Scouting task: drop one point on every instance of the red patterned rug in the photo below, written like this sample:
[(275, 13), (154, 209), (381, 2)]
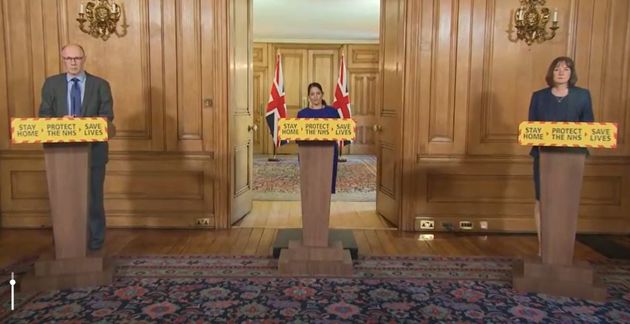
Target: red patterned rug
[(201, 289), (356, 178)]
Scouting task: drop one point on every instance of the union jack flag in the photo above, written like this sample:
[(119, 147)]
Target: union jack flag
[(276, 107), (342, 96)]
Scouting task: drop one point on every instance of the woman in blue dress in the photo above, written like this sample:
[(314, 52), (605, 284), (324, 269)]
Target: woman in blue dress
[(561, 101), (318, 109)]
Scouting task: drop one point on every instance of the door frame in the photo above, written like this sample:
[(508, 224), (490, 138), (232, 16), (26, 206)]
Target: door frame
[(405, 160)]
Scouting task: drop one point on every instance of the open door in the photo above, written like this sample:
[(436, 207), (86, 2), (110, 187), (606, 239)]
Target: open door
[(388, 127), (241, 108)]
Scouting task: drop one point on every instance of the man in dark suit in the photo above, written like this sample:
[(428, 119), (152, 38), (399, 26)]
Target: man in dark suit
[(78, 93)]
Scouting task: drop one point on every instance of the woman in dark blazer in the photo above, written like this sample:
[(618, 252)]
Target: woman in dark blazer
[(560, 101)]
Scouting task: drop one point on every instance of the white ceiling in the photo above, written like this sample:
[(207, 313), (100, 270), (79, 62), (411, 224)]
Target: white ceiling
[(316, 21)]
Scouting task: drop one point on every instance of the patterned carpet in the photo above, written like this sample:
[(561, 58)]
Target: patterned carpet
[(383, 289), (356, 178)]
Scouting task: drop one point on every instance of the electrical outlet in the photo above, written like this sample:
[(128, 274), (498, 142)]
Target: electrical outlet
[(483, 225), (424, 224), (427, 224), (426, 237), (465, 225), (447, 226), (203, 222)]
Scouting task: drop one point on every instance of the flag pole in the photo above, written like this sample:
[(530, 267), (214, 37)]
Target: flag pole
[(340, 158), (273, 158)]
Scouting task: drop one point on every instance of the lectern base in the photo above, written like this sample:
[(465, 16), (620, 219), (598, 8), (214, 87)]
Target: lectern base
[(578, 280), (67, 273), (315, 261), (287, 235)]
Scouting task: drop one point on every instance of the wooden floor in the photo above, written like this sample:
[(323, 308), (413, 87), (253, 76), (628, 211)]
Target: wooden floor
[(255, 234), (19, 244), (288, 214)]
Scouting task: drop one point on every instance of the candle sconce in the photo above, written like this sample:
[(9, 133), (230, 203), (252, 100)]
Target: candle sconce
[(531, 22), (102, 18)]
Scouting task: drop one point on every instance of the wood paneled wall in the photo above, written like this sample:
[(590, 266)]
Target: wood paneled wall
[(169, 81), (467, 89), (306, 63), (450, 91)]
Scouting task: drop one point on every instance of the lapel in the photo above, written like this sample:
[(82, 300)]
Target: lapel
[(87, 96), (570, 99), (62, 108)]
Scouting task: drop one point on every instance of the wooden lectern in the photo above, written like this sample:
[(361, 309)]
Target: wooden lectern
[(313, 255), (555, 273), (67, 172)]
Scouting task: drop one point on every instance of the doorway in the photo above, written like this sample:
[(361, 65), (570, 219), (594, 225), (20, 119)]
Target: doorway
[(311, 51)]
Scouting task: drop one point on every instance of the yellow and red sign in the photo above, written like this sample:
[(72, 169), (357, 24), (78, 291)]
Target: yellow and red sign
[(316, 129), (571, 134), (58, 130)]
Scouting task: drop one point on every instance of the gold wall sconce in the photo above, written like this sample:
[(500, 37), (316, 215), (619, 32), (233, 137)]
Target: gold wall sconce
[(530, 21), (102, 18)]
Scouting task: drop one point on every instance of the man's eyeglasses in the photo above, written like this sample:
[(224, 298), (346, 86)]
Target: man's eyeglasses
[(73, 59)]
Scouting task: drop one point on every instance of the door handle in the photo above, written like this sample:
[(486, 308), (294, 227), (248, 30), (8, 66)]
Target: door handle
[(252, 128), (377, 128)]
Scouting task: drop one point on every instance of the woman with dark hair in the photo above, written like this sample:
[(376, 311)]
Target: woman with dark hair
[(561, 101), (317, 108)]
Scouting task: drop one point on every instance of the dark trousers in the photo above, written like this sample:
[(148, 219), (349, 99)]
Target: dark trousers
[(537, 177), (96, 217)]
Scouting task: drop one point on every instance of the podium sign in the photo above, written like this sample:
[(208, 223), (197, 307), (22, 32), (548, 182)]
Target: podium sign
[(316, 129), (67, 160), (58, 130), (561, 173), (568, 134)]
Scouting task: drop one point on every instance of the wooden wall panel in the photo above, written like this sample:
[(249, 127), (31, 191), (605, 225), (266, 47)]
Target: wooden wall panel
[(363, 87), (173, 188), (442, 111), (391, 71), (168, 200), (28, 184), (263, 73), (260, 57), (324, 69), (188, 117), (260, 98), (605, 64), (295, 68), (442, 70), (362, 64), (23, 183), (28, 56), (362, 56), (501, 192), (241, 159), (22, 86), (506, 74), (446, 188)]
